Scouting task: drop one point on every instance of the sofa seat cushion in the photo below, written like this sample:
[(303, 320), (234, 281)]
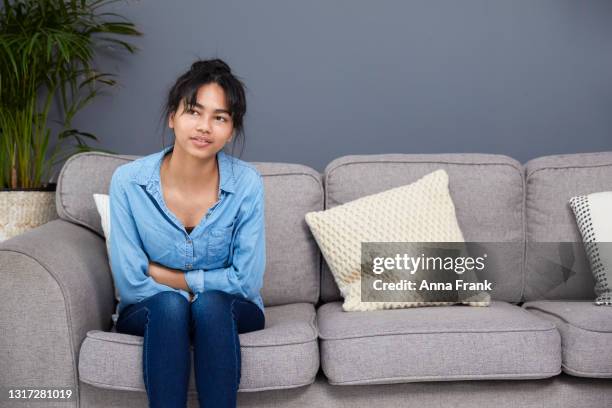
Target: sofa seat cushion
[(283, 355), (444, 343), (586, 335)]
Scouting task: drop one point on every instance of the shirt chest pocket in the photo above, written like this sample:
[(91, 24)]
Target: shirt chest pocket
[(219, 243)]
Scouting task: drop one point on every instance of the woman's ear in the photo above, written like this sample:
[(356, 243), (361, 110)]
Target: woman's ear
[(171, 120)]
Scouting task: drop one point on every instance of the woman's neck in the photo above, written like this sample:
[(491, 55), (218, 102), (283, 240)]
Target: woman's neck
[(188, 173)]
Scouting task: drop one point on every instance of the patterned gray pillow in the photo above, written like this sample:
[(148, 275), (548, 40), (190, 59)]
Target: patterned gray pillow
[(594, 218)]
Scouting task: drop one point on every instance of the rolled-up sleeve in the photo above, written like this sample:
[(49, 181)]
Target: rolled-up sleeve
[(245, 274), (129, 262)]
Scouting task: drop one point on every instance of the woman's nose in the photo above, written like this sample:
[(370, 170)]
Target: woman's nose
[(203, 125)]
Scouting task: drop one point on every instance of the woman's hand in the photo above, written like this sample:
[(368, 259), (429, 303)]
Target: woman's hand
[(167, 276)]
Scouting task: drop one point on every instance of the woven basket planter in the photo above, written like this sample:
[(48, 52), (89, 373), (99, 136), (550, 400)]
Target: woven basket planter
[(21, 210)]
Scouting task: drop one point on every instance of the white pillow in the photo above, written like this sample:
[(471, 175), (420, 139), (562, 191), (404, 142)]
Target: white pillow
[(594, 218), (419, 212), (103, 207)]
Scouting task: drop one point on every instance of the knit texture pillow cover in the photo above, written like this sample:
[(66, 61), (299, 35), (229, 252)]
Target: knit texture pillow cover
[(594, 218), (419, 212)]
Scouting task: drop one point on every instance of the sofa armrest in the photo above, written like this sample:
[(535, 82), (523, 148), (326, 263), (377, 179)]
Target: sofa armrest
[(55, 286)]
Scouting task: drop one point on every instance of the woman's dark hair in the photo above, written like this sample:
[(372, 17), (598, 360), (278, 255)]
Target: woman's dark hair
[(204, 72)]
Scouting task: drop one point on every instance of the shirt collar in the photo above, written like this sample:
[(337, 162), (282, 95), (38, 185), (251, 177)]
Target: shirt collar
[(148, 175)]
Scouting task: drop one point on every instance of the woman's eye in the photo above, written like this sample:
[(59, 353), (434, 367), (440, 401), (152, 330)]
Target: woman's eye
[(221, 118), (193, 112)]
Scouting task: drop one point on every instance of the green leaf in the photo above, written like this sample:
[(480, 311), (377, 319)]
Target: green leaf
[(99, 77), (47, 51), (129, 47)]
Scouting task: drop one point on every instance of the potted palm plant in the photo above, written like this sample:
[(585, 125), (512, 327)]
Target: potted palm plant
[(46, 60)]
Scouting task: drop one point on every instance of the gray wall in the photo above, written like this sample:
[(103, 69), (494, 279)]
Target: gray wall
[(329, 78)]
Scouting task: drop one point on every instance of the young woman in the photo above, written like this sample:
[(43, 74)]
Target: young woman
[(188, 245)]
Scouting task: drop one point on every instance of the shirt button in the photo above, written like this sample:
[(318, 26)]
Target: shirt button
[(188, 241), (188, 266)]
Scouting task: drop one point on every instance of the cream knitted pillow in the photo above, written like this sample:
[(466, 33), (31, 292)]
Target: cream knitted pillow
[(419, 212)]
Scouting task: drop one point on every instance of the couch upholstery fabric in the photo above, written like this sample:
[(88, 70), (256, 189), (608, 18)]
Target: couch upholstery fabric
[(556, 266), (487, 191), (586, 335), (562, 391), (442, 343), (283, 355)]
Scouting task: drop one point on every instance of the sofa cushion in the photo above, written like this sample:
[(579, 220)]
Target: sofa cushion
[(562, 391), (487, 191), (291, 190), (283, 355), (444, 343), (556, 267), (586, 335)]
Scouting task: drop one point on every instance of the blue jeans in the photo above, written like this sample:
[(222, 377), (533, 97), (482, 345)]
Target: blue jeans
[(168, 322)]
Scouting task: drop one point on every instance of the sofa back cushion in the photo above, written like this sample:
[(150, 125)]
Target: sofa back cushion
[(291, 190), (556, 265), (487, 191)]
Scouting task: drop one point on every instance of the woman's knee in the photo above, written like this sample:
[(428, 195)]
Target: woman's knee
[(213, 297), (212, 304), (170, 304)]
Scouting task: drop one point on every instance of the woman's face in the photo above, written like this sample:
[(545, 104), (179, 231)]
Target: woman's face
[(204, 129)]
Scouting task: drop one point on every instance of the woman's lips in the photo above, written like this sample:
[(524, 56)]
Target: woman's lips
[(200, 142)]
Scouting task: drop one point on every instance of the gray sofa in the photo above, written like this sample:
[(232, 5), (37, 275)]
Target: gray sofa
[(541, 343)]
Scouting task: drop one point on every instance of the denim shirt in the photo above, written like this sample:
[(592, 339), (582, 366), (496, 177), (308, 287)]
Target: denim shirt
[(225, 251)]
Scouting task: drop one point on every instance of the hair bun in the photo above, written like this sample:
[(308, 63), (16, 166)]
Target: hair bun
[(212, 65)]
